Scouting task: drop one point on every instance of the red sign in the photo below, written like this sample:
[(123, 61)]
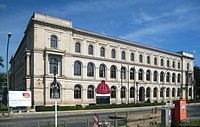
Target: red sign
[(103, 88)]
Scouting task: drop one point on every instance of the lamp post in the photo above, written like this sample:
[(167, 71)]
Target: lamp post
[(9, 35), (55, 95)]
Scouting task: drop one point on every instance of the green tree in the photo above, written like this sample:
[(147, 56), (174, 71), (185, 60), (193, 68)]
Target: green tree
[(197, 80), (1, 62), (2, 75)]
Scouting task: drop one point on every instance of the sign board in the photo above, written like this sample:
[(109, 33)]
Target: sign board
[(19, 98)]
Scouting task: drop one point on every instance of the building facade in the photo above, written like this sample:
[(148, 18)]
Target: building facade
[(134, 72)]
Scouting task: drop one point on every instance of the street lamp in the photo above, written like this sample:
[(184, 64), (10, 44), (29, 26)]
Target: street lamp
[(55, 95), (9, 35)]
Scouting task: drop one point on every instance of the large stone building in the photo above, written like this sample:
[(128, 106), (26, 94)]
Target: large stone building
[(133, 72)]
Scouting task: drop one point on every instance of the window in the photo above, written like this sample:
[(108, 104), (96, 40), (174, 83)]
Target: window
[(167, 92), (132, 56), (77, 68), (90, 69), (148, 60), (148, 92), (173, 77), (113, 72), (140, 74), (173, 92), (148, 75), (132, 74), (173, 64), (162, 62), (90, 92), (123, 73), (113, 53), (190, 91), (161, 92), (155, 90), (188, 66), (167, 77), (168, 64), (53, 65), (90, 50), (52, 88), (140, 58), (123, 55), (155, 74), (102, 71), (162, 76), (155, 61), (179, 65), (77, 47), (179, 78), (132, 92), (179, 92), (123, 92), (102, 52), (113, 92), (54, 41), (77, 92)]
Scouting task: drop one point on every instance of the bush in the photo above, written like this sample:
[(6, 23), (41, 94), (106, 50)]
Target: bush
[(3, 107), (193, 101), (60, 108)]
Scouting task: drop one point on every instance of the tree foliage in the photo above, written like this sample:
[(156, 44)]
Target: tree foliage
[(2, 75), (1, 61), (197, 79)]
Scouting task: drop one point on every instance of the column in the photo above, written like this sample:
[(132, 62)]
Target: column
[(28, 64), (170, 95), (151, 95), (119, 95), (63, 66), (46, 64), (164, 94), (158, 95)]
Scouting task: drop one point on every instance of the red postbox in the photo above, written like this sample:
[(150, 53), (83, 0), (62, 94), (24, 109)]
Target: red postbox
[(180, 110)]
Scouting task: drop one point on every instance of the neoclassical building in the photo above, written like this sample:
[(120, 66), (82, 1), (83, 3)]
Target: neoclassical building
[(133, 72)]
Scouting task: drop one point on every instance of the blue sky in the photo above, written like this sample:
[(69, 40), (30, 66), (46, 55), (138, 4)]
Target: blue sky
[(170, 25)]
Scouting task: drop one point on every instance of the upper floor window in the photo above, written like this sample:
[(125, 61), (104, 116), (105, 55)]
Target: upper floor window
[(173, 77), (77, 68), (162, 62), (179, 65), (140, 74), (148, 75), (77, 47), (148, 60), (90, 50), (132, 73), (102, 71), (161, 76), (90, 69), (179, 78), (123, 92), (168, 64), (173, 64), (140, 58), (123, 55), (155, 61), (188, 66), (132, 56), (167, 77), (113, 53), (113, 92), (123, 73), (113, 72), (102, 51), (54, 41), (53, 65), (155, 76)]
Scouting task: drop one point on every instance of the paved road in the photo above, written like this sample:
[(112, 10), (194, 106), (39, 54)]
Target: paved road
[(78, 118)]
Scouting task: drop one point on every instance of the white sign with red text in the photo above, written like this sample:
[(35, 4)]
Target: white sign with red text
[(19, 98)]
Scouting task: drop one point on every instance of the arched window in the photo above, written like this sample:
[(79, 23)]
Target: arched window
[(113, 53), (179, 78), (102, 71), (173, 77), (123, 55), (90, 92), (113, 92), (148, 60), (140, 74), (161, 76), (123, 73), (155, 61), (77, 68), (167, 92), (113, 72), (123, 92), (148, 92), (52, 90), (155, 76), (132, 74), (190, 91), (102, 51), (155, 90), (54, 41), (132, 56), (77, 47), (148, 75), (53, 65), (90, 50), (188, 66), (140, 58), (173, 64), (173, 92), (168, 64), (90, 69), (132, 92), (161, 92), (162, 62), (179, 65), (179, 92), (77, 92), (167, 77)]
